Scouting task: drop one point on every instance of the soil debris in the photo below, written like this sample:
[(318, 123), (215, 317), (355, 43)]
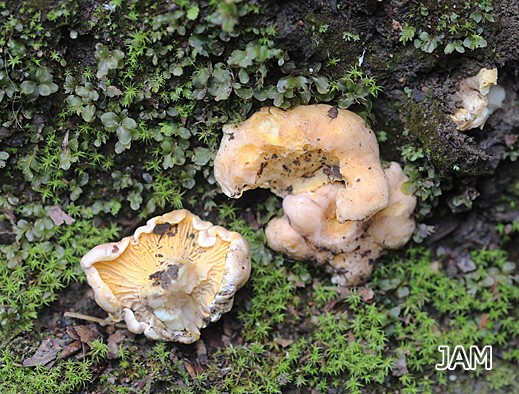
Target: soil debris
[(58, 216), (45, 355)]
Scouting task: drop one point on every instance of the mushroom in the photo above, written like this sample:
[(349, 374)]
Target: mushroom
[(480, 97), (300, 150), (309, 230), (171, 278)]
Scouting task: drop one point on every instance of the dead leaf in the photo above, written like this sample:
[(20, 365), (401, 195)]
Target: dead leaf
[(485, 318), (45, 355), (114, 91), (113, 343), (351, 337), (400, 365), (142, 383), (344, 292), (396, 26), (190, 369), (87, 333), (465, 263), (367, 294), (72, 333), (58, 216), (71, 349), (331, 305), (333, 112), (284, 342)]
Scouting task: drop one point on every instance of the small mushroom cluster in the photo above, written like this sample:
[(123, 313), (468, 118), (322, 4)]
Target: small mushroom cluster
[(171, 278), (341, 208)]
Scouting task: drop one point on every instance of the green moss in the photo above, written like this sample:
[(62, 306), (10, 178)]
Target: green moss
[(450, 153), (66, 377), (354, 344)]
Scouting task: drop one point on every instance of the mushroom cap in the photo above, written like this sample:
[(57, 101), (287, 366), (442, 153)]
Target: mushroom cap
[(171, 278), (393, 226), (309, 230), (299, 150)]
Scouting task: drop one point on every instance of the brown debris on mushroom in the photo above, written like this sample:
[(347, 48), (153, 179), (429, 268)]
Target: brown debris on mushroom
[(340, 208), (171, 278)]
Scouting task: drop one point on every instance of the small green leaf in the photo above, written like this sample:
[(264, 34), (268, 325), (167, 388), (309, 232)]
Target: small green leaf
[(3, 158), (179, 155), (201, 156), (244, 93), (65, 159), (27, 87), (477, 16), (110, 120), (243, 76), (74, 101), (184, 133), (192, 13), (124, 135), (43, 75), (129, 123), (449, 48), (168, 161), (321, 83), (88, 113), (46, 90), (82, 91), (135, 200)]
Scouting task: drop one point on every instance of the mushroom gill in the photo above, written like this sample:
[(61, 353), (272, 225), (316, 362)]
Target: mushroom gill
[(171, 278)]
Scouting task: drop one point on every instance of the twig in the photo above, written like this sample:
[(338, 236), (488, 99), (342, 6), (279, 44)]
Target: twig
[(102, 322)]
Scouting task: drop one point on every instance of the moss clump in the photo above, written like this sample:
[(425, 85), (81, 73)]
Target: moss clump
[(451, 153)]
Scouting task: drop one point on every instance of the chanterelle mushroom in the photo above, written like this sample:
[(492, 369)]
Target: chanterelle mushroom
[(480, 97), (301, 149), (309, 230), (171, 278)]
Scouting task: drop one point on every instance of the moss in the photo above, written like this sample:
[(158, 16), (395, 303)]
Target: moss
[(451, 152)]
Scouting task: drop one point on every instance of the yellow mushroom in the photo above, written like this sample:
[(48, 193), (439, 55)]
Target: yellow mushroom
[(301, 149), (309, 230), (480, 97), (171, 278)]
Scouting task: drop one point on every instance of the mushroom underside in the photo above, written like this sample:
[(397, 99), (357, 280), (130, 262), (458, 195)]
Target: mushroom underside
[(167, 279)]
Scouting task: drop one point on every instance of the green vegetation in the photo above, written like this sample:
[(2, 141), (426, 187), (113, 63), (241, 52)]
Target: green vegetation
[(127, 127), (43, 259), (456, 28), (66, 377)]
